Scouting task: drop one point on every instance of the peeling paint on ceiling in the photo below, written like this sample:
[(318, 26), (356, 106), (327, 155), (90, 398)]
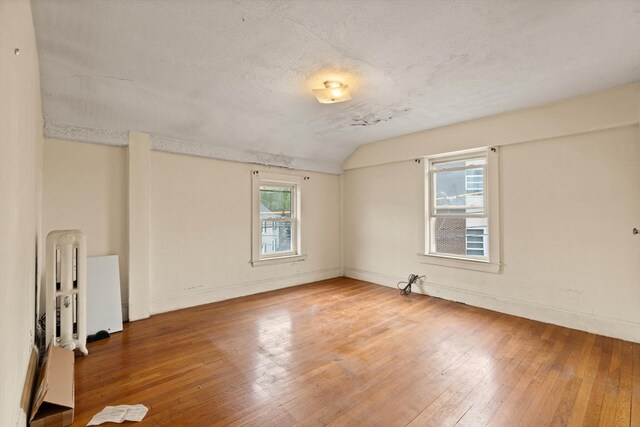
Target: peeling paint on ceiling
[(372, 119), (233, 80)]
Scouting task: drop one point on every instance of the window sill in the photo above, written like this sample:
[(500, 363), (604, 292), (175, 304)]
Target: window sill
[(278, 260), (462, 263)]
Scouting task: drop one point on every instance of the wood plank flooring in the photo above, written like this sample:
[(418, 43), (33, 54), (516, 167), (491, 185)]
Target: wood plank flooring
[(347, 353)]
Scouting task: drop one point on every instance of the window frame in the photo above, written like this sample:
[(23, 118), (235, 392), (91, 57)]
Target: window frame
[(490, 263), (258, 180), (292, 219)]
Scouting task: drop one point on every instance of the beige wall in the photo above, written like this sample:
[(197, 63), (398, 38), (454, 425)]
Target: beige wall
[(85, 188), (616, 107), (199, 222), (200, 232), (139, 165), (20, 201), (568, 205)]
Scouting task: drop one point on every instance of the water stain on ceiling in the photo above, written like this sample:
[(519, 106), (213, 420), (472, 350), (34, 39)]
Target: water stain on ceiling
[(234, 78)]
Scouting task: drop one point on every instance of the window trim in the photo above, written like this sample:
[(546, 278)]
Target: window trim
[(261, 178), (489, 264)]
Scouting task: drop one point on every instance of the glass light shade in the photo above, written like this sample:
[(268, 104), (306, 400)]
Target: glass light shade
[(333, 92)]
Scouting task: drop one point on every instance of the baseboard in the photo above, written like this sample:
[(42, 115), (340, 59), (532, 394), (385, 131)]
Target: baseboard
[(610, 327), (198, 296)]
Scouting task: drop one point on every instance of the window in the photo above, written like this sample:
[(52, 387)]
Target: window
[(461, 228), (278, 221), (276, 217)]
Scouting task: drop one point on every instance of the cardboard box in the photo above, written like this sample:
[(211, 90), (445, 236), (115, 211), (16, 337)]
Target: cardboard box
[(29, 381), (54, 399)]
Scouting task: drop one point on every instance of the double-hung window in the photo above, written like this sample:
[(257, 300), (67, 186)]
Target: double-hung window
[(461, 221), (276, 218)]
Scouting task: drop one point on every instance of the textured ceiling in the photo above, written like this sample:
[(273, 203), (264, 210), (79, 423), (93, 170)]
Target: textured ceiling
[(233, 79)]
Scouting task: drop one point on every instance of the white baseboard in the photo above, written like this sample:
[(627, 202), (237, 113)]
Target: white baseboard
[(610, 327), (198, 296)]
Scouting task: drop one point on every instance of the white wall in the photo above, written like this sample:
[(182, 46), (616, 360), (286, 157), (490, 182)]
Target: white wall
[(85, 187), (20, 201), (568, 205), (200, 232)]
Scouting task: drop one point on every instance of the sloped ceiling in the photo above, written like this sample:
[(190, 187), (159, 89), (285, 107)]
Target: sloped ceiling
[(233, 79)]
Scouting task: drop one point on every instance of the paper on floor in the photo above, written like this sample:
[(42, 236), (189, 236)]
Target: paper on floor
[(118, 414)]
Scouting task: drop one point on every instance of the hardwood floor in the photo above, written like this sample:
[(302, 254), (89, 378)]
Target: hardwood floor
[(345, 353)]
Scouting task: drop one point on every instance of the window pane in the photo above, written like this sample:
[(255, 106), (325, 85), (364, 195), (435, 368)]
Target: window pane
[(474, 187), (276, 237), (275, 202), (459, 192), (450, 236)]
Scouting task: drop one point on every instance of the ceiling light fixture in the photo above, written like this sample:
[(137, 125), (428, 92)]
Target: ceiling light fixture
[(333, 92)]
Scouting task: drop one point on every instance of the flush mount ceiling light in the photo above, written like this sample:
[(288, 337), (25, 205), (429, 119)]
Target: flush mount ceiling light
[(333, 92)]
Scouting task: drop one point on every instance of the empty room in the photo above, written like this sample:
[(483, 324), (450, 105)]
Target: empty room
[(320, 212)]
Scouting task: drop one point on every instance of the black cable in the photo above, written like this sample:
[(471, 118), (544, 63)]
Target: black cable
[(413, 278)]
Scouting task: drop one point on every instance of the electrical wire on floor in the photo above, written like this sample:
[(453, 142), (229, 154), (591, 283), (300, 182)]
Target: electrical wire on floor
[(406, 290)]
